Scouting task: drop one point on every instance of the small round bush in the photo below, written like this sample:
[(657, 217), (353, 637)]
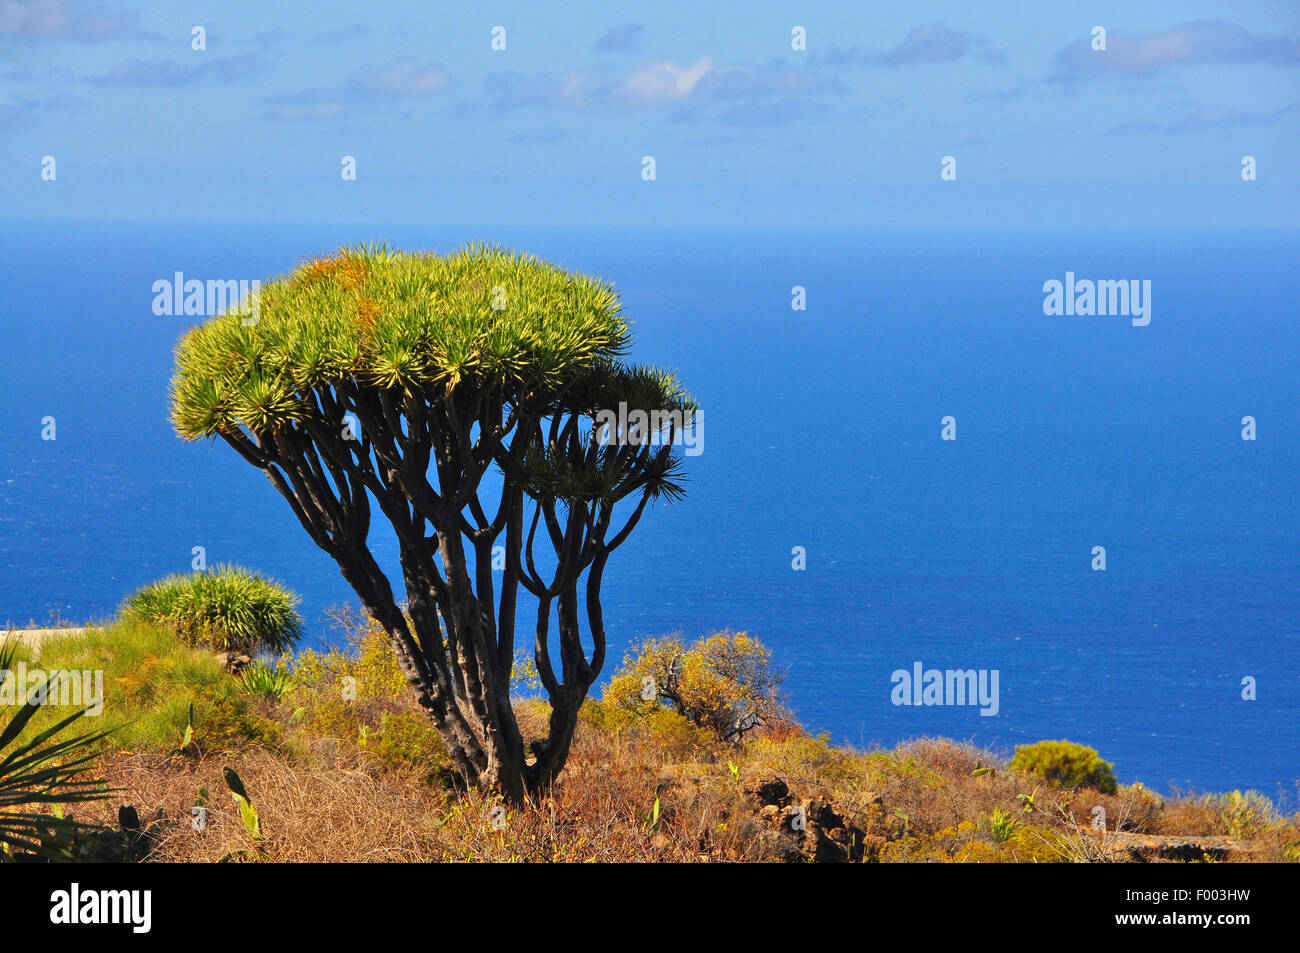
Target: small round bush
[(1066, 764), (228, 609), (725, 683)]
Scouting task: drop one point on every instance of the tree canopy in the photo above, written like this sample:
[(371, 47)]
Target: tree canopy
[(393, 320)]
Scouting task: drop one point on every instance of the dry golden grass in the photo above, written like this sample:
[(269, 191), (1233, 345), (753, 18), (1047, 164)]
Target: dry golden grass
[(308, 812), (930, 800)]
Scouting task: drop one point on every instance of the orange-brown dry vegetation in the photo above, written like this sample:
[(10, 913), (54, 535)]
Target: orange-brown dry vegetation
[(359, 775)]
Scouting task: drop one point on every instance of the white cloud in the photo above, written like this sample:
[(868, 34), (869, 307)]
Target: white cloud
[(656, 84)]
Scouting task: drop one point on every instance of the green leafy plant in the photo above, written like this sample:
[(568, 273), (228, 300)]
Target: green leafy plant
[(150, 680), (266, 680), (1066, 764), (187, 737), (252, 822), (228, 609), (1002, 825), (651, 820), (43, 770), (1028, 802), (232, 722), (247, 812)]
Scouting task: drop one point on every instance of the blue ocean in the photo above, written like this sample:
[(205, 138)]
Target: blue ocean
[(822, 430)]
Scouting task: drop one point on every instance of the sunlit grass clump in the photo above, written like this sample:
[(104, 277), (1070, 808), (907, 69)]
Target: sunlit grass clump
[(228, 609), (147, 679)]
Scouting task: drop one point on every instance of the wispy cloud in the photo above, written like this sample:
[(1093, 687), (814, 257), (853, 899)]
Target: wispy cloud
[(402, 79), (621, 39), (62, 20), (728, 139), (308, 104), (311, 104), (1207, 118), (18, 111), (543, 135), (931, 43), (1191, 44), (1013, 93), (770, 115), (204, 69), (654, 85), (342, 34)]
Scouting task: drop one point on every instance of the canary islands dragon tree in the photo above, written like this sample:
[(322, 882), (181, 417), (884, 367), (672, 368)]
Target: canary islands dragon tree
[(378, 379)]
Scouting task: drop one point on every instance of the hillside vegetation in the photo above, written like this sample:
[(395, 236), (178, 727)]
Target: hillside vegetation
[(335, 762)]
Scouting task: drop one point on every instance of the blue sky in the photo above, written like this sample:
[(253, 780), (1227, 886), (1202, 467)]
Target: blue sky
[(745, 130)]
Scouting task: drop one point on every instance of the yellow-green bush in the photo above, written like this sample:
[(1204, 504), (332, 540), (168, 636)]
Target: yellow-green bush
[(224, 722), (1140, 809), (966, 843), (1026, 845), (804, 756), (725, 683), (229, 609), (672, 735), (406, 738), (364, 699), (1247, 814), (1066, 764), (373, 667)]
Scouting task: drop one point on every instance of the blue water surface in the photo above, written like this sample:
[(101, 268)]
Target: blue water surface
[(822, 430)]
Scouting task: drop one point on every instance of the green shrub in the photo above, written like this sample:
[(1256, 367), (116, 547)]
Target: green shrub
[(228, 609), (1066, 764), (362, 698), (265, 680), (407, 739), (1141, 809), (807, 756), (674, 736), (231, 722), (966, 843), (369, 668)]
